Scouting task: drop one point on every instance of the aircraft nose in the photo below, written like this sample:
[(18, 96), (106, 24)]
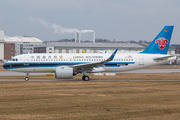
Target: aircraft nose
[(4, 66)]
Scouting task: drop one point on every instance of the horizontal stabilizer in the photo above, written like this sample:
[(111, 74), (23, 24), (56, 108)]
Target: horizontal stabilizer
[(164, 57)]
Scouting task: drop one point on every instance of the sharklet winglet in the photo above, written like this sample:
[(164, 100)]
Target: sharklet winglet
[(112, 56)]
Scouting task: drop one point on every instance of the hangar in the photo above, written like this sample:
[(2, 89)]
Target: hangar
[(89, 47)]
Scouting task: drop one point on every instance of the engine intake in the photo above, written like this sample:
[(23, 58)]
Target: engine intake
[(63, 72)]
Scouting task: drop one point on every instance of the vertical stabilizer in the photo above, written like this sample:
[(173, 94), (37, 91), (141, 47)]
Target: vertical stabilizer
[(160, 44)]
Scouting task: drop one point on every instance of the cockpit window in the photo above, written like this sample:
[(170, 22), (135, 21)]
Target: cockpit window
[(14, 59)]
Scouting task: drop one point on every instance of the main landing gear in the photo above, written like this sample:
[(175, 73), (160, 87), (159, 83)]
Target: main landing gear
[(85, 78), (26, 77)]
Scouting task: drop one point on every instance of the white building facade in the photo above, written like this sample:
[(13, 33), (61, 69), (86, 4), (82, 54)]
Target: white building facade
[(1, 45), (23, 45)]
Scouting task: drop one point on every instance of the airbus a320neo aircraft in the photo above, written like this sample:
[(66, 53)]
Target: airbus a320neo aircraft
[(67, 65)]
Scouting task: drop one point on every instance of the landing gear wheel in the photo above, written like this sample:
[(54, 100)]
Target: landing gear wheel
[(85, 78), (82, 77), (26, 78)]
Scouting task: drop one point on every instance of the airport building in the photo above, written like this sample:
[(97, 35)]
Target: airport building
[(1, 45), (23, 45), (98, 47), (9, 50)]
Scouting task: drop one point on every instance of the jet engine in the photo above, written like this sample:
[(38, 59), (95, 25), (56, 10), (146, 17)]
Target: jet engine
[(63, 72)]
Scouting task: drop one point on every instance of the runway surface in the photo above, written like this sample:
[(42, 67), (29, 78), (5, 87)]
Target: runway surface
[(93, 80), (9, 73)]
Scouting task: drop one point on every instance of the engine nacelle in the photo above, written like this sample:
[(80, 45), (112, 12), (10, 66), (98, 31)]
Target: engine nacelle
[(63, 72)]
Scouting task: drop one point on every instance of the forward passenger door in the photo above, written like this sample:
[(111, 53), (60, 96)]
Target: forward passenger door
[(26, 60)]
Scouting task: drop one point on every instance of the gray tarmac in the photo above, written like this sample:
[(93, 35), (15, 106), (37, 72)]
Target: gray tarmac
[(9, 73), (93, 80)]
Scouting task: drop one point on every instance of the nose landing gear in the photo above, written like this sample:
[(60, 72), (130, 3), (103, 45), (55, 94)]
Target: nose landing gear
[(26, 77)]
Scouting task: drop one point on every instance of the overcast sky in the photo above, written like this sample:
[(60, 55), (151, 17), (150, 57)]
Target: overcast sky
[(110, 19)]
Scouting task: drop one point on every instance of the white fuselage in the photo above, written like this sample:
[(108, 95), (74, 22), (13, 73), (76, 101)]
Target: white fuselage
[(30, 63)]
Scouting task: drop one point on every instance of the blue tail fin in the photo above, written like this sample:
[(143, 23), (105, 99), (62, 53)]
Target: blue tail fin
[(160, 44)]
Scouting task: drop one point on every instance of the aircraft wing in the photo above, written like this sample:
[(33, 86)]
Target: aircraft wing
[(95, 64), (164, 57)]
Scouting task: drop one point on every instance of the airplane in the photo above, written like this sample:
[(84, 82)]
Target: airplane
[(65, 66)]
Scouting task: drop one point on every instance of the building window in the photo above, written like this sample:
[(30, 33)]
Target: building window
[(11, 44), (11, 52), (11, 48), (50, 48)]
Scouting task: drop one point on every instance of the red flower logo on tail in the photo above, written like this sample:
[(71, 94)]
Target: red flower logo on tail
[(162, 42)]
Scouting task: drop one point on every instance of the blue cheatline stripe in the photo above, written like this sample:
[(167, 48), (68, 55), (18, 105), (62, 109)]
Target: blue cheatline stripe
[(16, 65)]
